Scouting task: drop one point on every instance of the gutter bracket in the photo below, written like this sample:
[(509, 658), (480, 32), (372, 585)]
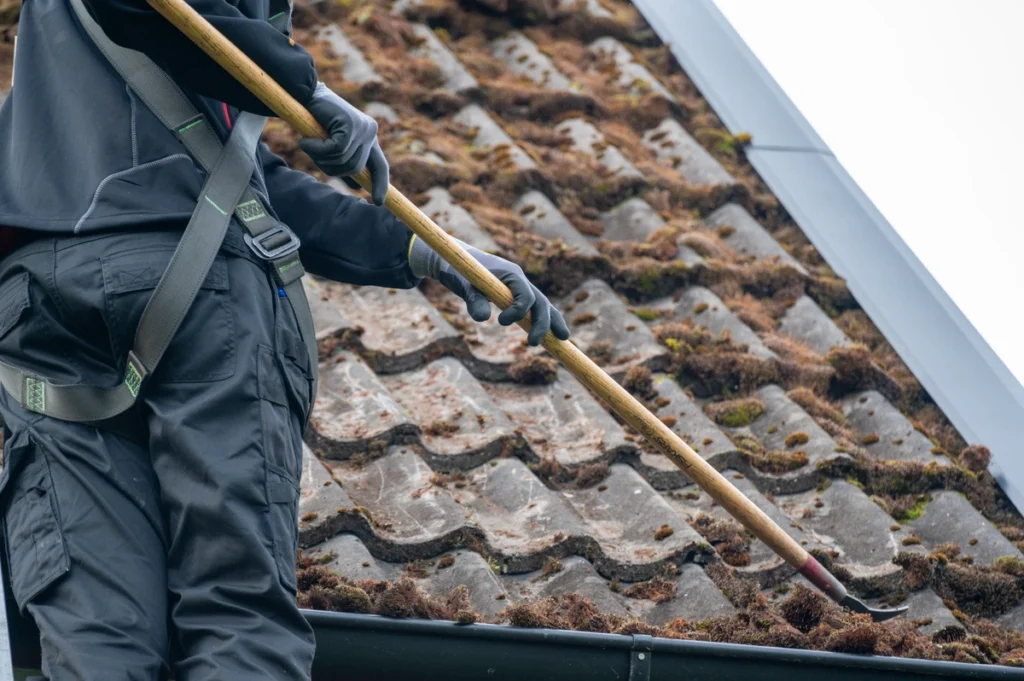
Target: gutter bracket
[(640, 657)]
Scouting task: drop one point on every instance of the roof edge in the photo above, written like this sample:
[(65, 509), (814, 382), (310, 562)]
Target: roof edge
[(954, 363)]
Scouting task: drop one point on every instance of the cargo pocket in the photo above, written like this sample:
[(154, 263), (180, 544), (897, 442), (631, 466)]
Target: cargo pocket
[(35, 543), (14, 299), (282, 449), (203, 349)]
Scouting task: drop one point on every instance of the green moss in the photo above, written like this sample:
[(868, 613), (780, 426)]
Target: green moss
[(736, 413), (1010, 565), (647, 314), (915, 511)]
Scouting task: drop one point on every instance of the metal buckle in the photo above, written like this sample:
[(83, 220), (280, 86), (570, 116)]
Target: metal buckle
[(256, 244)]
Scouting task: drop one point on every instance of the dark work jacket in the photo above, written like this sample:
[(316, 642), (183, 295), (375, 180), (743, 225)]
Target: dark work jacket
[(79, 152)]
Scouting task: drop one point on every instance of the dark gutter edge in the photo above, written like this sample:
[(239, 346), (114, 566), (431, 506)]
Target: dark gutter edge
[(957, 367), (369, 646)]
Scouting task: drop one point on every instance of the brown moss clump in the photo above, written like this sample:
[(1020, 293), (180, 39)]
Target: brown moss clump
[(869, 439), (446, 561), (591, 474), (825, 412), (656, 590), (803, 608), (857, 371), (585, 318), (977, 590), (778, 462), (551, 566), (321, 589), (730, 540), (570, 611), (441, 428), (663, 533), (976, 458), (735, 413), (534, 370), (418, 569), (640, 383), (797, 438), (587, 475)]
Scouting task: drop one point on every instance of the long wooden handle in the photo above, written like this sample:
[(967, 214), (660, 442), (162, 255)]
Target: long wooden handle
[(233, 60)]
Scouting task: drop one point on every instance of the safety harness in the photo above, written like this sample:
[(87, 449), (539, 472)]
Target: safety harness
[(226, 192)]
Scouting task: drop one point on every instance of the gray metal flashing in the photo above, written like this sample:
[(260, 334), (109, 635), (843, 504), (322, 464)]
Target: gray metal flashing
[(961, 372)]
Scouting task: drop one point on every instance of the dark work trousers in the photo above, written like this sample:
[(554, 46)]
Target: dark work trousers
[(121, 540)]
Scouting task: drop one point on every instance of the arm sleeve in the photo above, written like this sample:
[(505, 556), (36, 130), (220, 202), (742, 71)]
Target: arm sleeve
[(344, 238), (136, 25)]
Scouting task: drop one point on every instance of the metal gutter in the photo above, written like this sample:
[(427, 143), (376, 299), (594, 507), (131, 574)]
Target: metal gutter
[(372, 648), (961, 372)]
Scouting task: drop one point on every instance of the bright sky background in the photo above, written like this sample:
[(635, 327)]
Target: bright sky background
[(922, 101)]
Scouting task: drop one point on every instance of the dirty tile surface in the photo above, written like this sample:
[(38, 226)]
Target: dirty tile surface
[(524, 485)]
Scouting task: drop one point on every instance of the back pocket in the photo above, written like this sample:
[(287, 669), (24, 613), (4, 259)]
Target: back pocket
[(203, 348)]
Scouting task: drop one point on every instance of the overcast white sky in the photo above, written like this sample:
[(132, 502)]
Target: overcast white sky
[(922, 101)]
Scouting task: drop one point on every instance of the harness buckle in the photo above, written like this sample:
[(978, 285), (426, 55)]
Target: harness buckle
[(275, 243)]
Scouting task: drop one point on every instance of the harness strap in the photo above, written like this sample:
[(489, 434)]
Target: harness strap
[(225, 192)]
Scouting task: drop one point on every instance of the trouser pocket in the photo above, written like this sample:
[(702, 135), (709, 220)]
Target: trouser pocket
[(281, 425), (35, 542)]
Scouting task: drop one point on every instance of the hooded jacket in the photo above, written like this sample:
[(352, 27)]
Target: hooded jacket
[(80, 153)]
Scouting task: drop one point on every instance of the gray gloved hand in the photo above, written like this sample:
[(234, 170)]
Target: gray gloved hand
[(352, 142), (424, 262)]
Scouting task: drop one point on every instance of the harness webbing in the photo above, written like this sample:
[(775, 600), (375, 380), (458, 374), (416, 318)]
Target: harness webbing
[(226, 192)]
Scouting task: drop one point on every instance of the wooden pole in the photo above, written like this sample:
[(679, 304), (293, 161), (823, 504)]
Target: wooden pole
[(239, 65)]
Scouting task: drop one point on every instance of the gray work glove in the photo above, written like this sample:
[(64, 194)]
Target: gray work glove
[(351, 143), (424, 262)]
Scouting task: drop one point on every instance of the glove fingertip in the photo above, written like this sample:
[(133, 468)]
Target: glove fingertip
[(480, 311), (510, 316)]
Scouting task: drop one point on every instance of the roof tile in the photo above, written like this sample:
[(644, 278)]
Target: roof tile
[(354, 67), (629, 73), (627, 517), (522, 56), (885, 432), (598, 316), (589, 140), (456, 78), (354, 412), (847, 521), (950, 518), (456, 220), (782, 418), (412, 517), (746, 236), (690, 423), (401, 330), (543, 218), (461, 426), (319, 500), (523, 520), (806, 322), (490, 136), (562, 420), (675, 147), (487, 593)]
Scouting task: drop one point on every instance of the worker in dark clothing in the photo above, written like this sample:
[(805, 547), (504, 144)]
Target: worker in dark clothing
[(151, 466)]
